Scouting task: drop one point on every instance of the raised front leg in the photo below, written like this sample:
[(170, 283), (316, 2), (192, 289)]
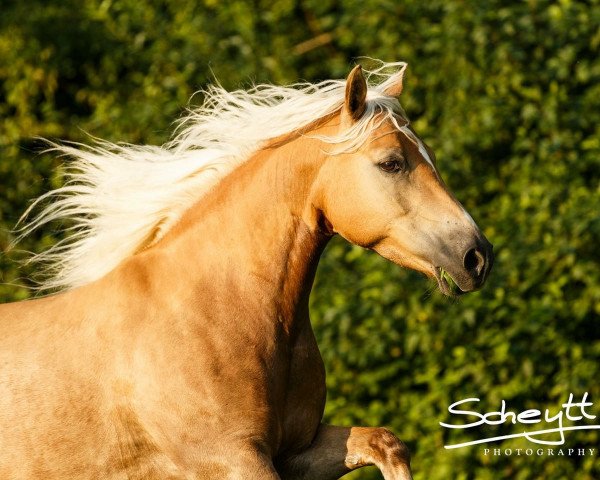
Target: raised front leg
[(336, 451)]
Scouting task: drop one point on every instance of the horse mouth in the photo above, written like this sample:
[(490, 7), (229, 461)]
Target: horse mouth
[(446, 283)]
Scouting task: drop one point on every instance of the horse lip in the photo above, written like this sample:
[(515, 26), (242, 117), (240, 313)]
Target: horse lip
[(443, 285)]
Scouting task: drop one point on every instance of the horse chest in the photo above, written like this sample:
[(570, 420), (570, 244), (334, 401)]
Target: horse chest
[(266, 386)]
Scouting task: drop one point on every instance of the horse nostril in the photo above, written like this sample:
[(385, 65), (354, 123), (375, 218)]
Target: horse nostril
[(474, 261)]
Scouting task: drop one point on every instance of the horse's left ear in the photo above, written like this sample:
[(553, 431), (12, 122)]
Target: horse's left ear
[(393, 85), (356, 94)]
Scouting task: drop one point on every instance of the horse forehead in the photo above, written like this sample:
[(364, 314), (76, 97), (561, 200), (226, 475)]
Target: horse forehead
[(390, 136), (387, 135), (385, 138), (410, 136)]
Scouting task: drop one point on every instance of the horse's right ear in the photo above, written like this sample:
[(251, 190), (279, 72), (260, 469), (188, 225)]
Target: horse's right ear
[(356, 94)]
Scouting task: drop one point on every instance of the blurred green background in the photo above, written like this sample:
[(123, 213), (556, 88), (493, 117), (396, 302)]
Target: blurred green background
[(508, 95)]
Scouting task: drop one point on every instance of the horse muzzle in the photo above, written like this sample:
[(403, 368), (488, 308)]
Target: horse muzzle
[(468, 270)]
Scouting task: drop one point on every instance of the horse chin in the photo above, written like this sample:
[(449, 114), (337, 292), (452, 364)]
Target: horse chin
[(446, 283)]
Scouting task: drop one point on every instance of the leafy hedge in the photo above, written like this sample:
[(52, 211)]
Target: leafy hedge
[(507, 94)]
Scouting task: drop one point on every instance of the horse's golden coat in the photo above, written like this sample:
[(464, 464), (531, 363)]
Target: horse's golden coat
[(195, 358)]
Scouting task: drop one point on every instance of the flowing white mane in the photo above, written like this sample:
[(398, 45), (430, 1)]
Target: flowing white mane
[(121, 198)]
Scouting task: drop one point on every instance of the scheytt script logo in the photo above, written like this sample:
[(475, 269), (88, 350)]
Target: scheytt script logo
[(535, 422)]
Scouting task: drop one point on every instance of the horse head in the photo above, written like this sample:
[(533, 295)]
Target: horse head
[(386, 194)]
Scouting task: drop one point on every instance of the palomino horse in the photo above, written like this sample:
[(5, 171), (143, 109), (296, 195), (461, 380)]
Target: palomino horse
[(181, 346)]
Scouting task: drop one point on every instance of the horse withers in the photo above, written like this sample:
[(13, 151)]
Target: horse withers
[(180, 346)]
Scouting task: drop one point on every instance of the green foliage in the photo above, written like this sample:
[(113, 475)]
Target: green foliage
[(506, 93)]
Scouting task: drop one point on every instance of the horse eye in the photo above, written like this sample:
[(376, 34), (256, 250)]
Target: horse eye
[(392, 165)]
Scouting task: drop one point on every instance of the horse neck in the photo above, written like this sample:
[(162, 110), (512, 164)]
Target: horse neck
[(256, 234)]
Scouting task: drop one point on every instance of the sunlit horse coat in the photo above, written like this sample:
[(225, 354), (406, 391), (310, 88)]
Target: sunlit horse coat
[(181, 345)]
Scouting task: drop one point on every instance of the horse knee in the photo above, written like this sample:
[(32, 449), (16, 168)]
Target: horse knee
[(388, 447)]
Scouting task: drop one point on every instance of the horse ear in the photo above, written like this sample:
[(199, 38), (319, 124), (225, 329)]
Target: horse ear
[(356, 93), (393, 85)]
